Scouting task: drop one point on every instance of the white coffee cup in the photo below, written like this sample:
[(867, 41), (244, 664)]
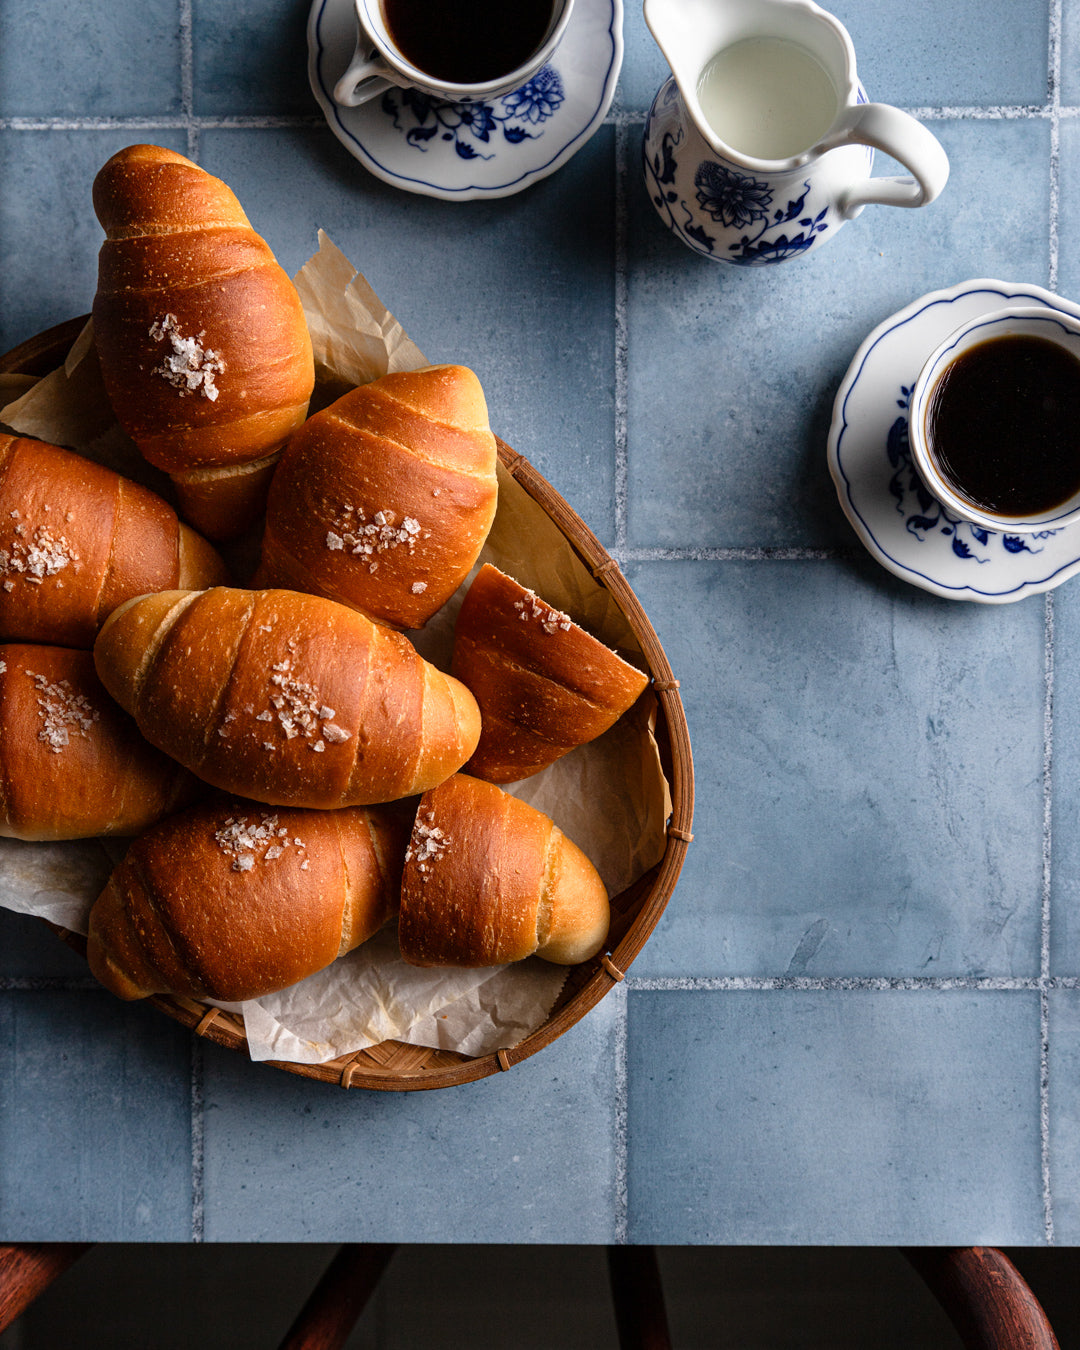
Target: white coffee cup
[(1016, 320), (378, 63)]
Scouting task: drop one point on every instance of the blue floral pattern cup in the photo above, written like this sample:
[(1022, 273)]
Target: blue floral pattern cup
[(378, 64), (736, 208)]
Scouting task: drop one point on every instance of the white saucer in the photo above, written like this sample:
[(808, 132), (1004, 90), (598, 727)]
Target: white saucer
[(458, 151), (903, 527)]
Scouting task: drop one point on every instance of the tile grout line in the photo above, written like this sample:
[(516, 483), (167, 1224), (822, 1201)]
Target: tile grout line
[(621, 476), (1054, 90), (180, 122), (198, 1144), (740, 553), (622, 1111), (187, 79), (622, 465), (64, 984), (187, 120), (849, 983), (197, 1120), (197, 1123), (1044, 951), (1054, 82)]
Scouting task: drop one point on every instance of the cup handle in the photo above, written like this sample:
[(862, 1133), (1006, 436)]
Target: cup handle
[(904, 138), (367, 75)]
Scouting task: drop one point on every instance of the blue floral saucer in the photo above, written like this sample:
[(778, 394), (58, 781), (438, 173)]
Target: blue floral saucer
[(460, 151), (902, 526)]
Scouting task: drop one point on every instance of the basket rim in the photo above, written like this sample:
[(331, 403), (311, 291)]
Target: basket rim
[(44, 352)]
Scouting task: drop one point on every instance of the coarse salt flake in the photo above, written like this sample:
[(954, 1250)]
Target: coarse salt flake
[(427, 843), (364, 539), (62, 712), (550, 620), (189, 366), (248, 841), (297, 710), (42, 556)]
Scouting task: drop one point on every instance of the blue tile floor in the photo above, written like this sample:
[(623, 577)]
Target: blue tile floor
[(858, 1020)]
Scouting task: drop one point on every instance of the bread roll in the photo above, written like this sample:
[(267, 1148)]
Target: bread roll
[(285, 698), (489, 879), (383, 500), (76, 540), (543, 684), (201, 336), (230, 900), (72, 764)]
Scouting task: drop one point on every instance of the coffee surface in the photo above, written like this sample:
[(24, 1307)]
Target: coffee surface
[(467, 42), (1003, 425)]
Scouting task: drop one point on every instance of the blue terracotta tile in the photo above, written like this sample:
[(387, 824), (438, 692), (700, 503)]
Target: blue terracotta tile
[(834, 1117), (250, 58), (1070, 53), (1065, 769), (1064, 1109), (62, 60), (525, 1156), (868, 774), (1068, 276), (732, 372), (49, 235), (984, 56), (521, 289), (95, 1124)]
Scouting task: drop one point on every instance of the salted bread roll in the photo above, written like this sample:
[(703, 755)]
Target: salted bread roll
[(384, 499), (201, 336), (543, 684), (230, 900), (489, 879), (72, 764), (285, 698), (77, 539)]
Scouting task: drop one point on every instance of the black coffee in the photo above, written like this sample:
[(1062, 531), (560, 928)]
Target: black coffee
[(1003, 425), (468, 42)]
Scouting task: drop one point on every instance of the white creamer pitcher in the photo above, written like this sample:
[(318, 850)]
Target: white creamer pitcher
[(770, 73)]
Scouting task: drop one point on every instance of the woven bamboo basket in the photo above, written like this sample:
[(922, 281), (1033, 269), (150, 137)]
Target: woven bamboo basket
[(392, 1065)]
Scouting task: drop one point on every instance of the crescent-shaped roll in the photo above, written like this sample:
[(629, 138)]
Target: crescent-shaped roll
[(285, 698), (230, 900), (201, 336), (77, 539), (72, 764), (384, 499), (543, 684), (489, 879)]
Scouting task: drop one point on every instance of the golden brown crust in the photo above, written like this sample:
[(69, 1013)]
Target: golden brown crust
[(383, 500), (543, 684), (232, 900), (77, 539), (286, 698), (489, 879), (72, 764), (184, 279)]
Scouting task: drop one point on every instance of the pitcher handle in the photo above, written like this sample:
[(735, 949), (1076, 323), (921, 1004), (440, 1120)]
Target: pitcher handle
[(904, 138)]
